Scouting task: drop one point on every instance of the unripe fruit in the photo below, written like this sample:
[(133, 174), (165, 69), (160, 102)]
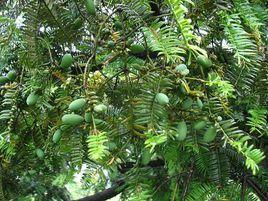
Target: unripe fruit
[(88, 117), (32, 99), (72, 119), (129, 42), (110, 44), (199, 103), (187, 103), (200, 125), (204, 61), (137, 48), (12, 75), (210, 134), (3, 80), (162, 99), (100, 108), (77, 104), (90, 7), (66, 61), (181, 131), (185, 72), (145, 157), (180, 68), (57, 136), (40, 153)]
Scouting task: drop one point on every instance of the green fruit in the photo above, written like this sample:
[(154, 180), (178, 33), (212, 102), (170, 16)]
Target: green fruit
[(100, 108), (199, 103), (57, 136), (12, 75), (181, 131), (137, 48), (3, 80), (77, 104), (40, 153), (118, 25), (66, 61), (187, 103), (162, 99), (129, 42), (88, 117), (32, 99), (145, 157), (180, 68), (72, 119), (90, 7), (200, 125), (110, 44), (210, 134), (204, 61), (182, 89), (185, 72)]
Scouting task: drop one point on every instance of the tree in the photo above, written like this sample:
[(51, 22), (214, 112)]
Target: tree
[(157, 100)]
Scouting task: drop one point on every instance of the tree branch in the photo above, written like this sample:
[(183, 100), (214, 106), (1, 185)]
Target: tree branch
[(107, 193)]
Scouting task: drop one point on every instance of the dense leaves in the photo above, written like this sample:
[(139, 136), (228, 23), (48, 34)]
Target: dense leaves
[(163, 100)]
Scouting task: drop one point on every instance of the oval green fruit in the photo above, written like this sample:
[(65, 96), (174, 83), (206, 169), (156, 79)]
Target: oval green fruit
[(110, 44), (88, 117), (118, 25), (57, 136), (185, 72), (12, 75), (204, 61), (210, 134), (199, 103), (66, 61), (3, 80), (77, 104), (72, 119), (182, 89), (129, 42), (145, 157), (180, 68), (90, 7), (40, 153), (187, 103), (181, 131), (32, 99), (137, 48), (100, 108), (162, 99), (200, 125)]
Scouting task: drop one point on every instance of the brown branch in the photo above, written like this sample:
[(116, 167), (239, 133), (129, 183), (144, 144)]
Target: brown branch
[(188, 181), (107, 193)]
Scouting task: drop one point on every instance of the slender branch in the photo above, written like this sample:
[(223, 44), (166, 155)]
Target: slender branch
[(188, 181)]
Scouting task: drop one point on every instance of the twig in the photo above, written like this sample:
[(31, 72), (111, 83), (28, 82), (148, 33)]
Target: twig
[(188, 181)]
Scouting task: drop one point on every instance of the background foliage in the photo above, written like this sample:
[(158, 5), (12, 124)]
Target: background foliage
[(221, 158)]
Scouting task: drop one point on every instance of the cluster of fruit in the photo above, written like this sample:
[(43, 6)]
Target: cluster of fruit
[(71, 119), (10, 77)]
